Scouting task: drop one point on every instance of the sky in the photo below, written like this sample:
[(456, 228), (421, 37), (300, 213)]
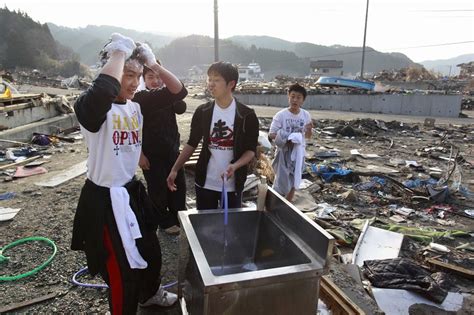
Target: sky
[(421, 29)]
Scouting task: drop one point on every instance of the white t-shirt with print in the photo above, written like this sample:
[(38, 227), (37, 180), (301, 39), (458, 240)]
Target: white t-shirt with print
[(290, 122), (221, 145), (115, 149)]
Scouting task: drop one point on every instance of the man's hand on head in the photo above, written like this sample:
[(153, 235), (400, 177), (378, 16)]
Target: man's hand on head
[(145, 55), (118, 42)]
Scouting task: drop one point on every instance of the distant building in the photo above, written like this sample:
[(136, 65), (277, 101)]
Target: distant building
[(467, 70), (197, 72), (326, 68), (252, 72)]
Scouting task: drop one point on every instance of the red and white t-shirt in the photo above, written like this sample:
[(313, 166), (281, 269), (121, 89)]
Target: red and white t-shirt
[(221, 145)]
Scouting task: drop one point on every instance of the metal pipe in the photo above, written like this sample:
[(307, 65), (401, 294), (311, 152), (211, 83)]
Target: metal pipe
[(363, 46), (216, 32)]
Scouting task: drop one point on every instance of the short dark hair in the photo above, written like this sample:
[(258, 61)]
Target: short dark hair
[(146, 69), (297, 88), (225, 69)]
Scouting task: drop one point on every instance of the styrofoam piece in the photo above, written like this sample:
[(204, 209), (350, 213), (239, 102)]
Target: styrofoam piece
[(375, 243)]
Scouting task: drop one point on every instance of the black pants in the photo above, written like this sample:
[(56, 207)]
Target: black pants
[(207, 199), (95, 232), (167, 203), (129, 286)]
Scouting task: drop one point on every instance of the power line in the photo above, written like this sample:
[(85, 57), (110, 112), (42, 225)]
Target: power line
[(436, 45), (462, 10)]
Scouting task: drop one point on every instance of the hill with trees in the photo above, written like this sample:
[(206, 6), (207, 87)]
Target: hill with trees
[(25, 43)]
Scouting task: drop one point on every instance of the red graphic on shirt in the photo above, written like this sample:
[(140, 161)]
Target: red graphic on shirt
[(221, 136)]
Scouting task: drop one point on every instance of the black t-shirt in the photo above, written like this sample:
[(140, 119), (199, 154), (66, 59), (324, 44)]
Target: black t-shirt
[(161, 137)]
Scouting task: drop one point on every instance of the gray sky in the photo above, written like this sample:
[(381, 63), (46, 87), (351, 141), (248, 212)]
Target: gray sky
[(393, 25)]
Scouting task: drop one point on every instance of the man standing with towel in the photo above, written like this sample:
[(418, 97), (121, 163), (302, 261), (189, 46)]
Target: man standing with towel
[(289, 128)]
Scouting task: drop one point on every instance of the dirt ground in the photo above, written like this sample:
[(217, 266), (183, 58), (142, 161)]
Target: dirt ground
[(49, 212)]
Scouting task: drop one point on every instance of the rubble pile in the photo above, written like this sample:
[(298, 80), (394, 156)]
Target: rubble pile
[(412, 180), (411, 74), (34, 77)]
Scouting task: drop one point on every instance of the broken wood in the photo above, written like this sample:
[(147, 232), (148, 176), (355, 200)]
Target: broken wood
[(16, 306), (14, 142), (336, 300), (3, 167), (466, 273), (72, 172)]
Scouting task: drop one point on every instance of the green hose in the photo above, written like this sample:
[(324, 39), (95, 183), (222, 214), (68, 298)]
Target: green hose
[(31, 272)]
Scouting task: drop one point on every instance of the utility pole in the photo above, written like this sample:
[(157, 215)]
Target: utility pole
[(363, 46), (216, 32)]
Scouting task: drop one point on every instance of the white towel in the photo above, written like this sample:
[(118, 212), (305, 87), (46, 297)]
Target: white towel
[(297, 155), (127, 226)]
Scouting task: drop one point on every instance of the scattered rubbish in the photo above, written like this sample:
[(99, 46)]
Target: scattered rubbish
[(398, 301), (376, 243), (397, 218), (333, 172), (375, 183), (3, 167), (406, 212), (404, 273), (429, 122), (305, 183), (424, 235), (439, 265), (438, 194), (7, 196), (324, 210), (381, 169), (469, 212), (466, 246), (416, 183), (51, 137), (365, 156), (36, 163), (7, 214), (16, 306), (22, 171), (439, 248), (326, 154), (349, 196), (41, 140), (304, 201)]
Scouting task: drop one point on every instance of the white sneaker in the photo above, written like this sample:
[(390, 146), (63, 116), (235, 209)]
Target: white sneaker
[(161, 298)]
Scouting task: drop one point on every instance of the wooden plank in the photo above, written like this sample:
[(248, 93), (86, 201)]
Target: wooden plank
[(3, 167), (336, 300), (466, 273), (70, 173), (9, 108), (14, 142), (15, 306)]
